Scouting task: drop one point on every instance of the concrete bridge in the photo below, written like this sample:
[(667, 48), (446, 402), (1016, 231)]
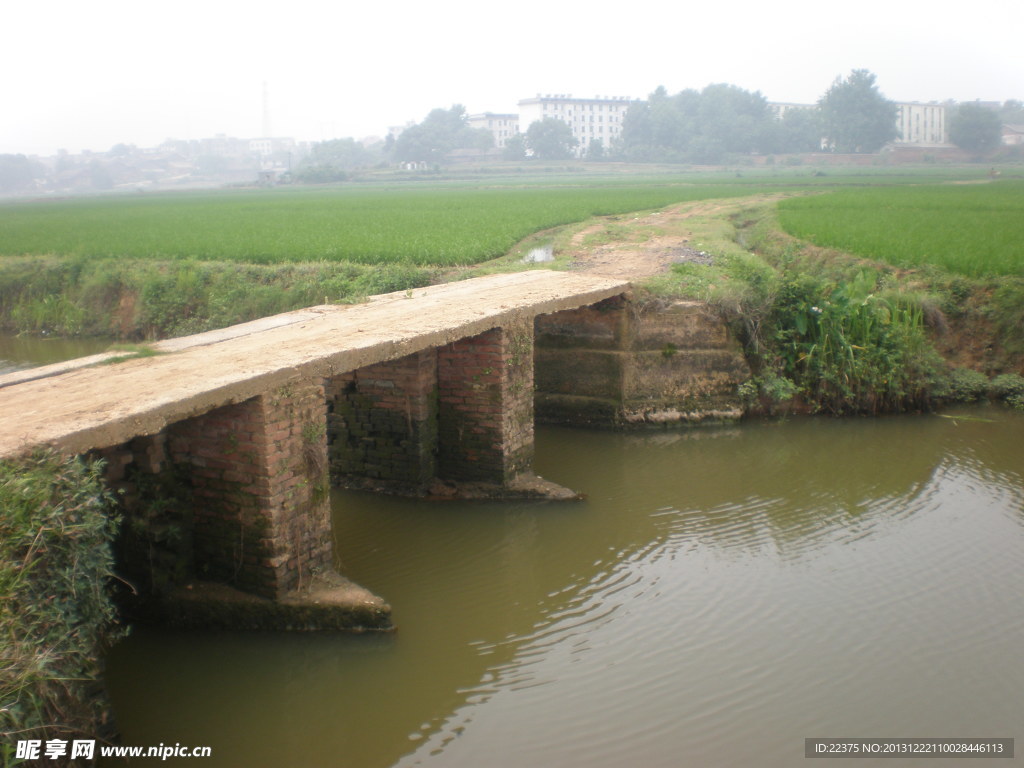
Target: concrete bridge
[(427, 386)]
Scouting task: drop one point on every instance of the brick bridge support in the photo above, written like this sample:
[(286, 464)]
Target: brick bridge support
[(462, 413), (259, 484), (252, 478), (243, 487)]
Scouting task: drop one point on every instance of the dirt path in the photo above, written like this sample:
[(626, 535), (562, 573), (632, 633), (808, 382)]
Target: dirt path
[(634, 247)]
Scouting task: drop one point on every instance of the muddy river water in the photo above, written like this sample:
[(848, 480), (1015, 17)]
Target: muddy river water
[(720, 596), (18, 352)]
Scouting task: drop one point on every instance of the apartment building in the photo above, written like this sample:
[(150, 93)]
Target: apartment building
[(502, 126), (597, 118), (917, 124), (921, 125)]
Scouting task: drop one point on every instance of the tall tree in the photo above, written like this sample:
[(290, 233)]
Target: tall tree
[(695, 126), (440, 132), (856, 117), (595, 150), (800, 130), (550, 139), (975, 128), (515, 148), (739, 119)]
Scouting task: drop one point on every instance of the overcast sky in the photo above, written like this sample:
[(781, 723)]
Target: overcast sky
[(87, 75)]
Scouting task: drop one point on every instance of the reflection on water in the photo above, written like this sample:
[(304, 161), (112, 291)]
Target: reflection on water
[(720, 596), (540, 254), (18, 352)]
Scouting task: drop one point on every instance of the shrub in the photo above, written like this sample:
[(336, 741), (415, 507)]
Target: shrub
[(961, 385), (1008, 387), (55, 614), (848, 349)]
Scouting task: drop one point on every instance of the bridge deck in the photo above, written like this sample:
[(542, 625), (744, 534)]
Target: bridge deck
[(93, 406)]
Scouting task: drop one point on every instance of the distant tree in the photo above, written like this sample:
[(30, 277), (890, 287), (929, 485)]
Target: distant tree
[(1012, 112), (738, 119), (856, 117), (800, 130), (975, 128), (515, 148), (595, 150), (694, 126), (16, 173), (341, 153), (477, 138), (440, 132), (550, 139), (332, 160)]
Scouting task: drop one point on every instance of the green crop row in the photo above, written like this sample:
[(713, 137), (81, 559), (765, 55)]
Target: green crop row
[(970, 229), (423, 226), (435, 223)]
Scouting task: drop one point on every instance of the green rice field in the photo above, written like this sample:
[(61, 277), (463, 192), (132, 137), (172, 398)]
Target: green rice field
[(413, 225), (971, 229), (437, 223)]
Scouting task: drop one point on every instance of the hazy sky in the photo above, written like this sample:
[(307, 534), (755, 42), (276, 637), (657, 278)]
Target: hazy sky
[(87, 75)]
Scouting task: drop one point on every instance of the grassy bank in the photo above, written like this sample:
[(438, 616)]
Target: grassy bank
[(151, 266), (913, 258), (55, 614), (147, 299), (832, 331)]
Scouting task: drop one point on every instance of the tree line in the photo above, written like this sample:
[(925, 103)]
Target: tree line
[(707, 127)]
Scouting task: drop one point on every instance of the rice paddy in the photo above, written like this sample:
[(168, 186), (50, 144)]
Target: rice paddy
[(412, 225), (971, 229), (423, 223)]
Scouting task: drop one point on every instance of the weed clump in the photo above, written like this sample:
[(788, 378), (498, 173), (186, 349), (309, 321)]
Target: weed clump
[(961, 385), (56, 565), (1008, 387)]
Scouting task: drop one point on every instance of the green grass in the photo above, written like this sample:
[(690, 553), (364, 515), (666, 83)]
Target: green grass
[(971, 229), (443, 222), (368, 226), (56, 566)]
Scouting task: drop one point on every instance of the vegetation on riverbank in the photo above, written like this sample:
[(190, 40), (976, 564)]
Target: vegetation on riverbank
[(150, 299), (56, 564), (826, 330), (163, 265), (857, 330), (169, 265)]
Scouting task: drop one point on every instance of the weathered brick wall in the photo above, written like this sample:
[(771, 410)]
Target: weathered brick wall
[(382, 421), (238, 495), (619, 363), (258, 472), (155, 543), (485, 391)]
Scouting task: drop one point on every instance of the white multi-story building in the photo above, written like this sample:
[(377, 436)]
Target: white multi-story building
[(598, 118), (502, 126), (780, 108), (921, 125), (917, 124)]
